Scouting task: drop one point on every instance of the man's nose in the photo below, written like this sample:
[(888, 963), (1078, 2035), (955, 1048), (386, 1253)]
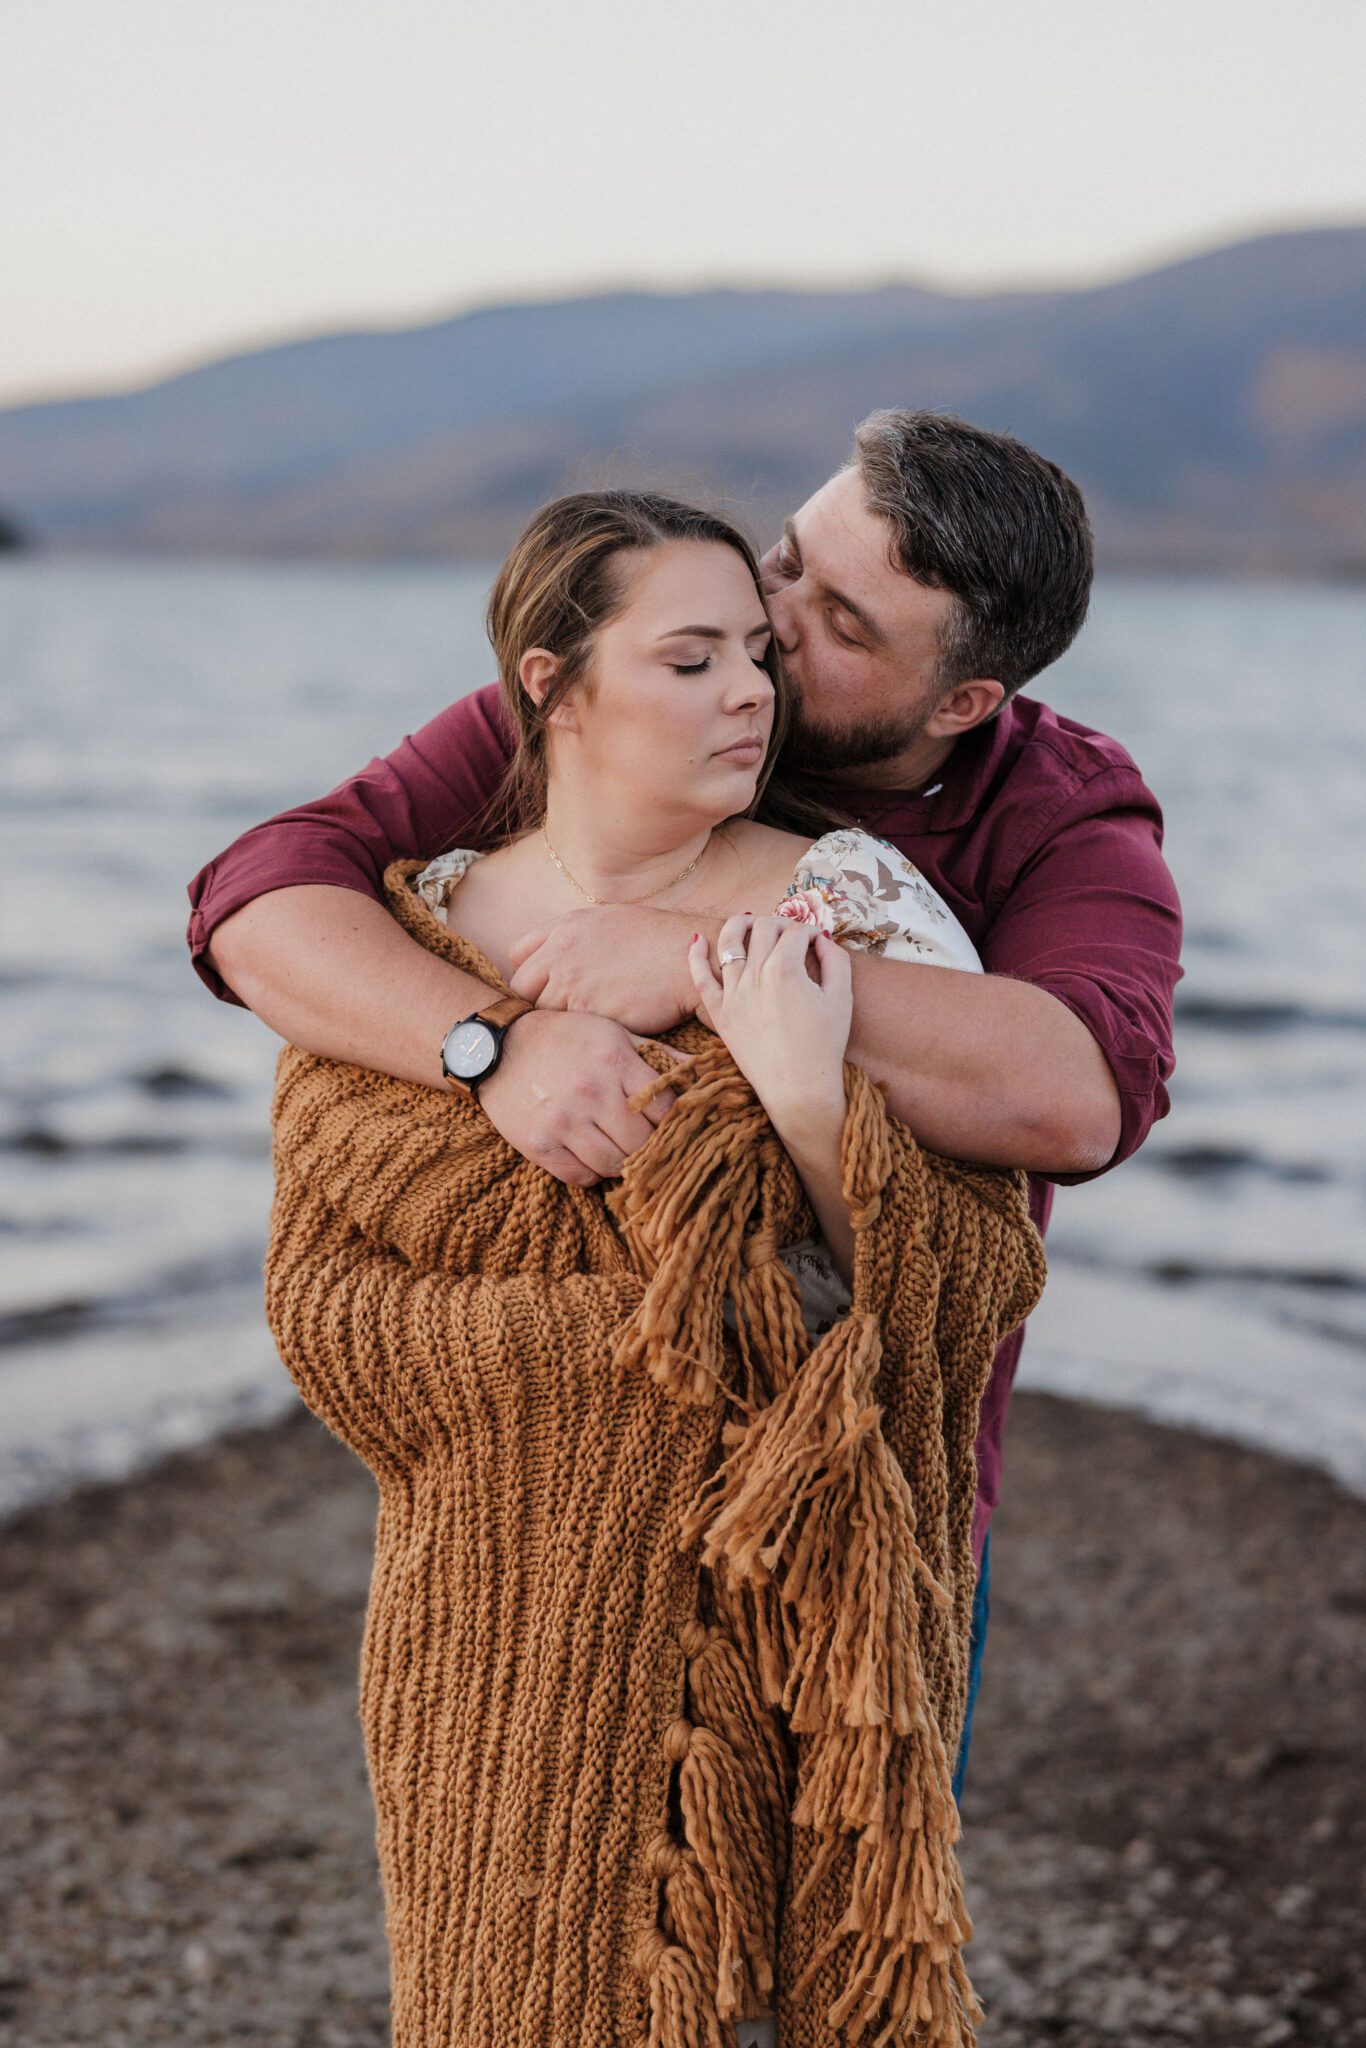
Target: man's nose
[(783, 615)]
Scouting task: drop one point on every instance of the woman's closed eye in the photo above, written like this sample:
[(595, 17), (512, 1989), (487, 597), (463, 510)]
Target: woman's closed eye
[(698, 668)]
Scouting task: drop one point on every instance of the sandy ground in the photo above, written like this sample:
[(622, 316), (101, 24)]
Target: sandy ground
[(1165, 1824)]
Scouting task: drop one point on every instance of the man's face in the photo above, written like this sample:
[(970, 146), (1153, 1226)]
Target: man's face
[(860, 638)]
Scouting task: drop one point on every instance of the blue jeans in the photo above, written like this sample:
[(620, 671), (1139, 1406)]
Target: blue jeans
[(981, 1607)]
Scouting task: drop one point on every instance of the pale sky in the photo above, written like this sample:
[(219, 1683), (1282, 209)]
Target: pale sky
[(183, 178)]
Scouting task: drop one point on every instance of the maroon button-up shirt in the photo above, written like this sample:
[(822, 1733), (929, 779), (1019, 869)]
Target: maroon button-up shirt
[(1040, 833)]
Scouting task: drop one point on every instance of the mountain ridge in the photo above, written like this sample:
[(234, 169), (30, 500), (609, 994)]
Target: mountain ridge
[(1212, 409)]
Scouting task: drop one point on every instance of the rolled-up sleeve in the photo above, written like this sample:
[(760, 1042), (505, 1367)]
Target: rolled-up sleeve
[(431, 793), (1092, 915)]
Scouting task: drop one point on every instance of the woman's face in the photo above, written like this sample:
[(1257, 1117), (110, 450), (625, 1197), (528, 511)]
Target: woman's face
[(677, 709)]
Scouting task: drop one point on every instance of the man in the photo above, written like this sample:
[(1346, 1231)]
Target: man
[(912, 596)]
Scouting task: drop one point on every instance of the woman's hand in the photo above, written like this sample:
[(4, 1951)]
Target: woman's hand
[(786, 1031), (787, 1034)]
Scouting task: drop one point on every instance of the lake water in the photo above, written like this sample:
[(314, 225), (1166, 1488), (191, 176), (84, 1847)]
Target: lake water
[(151, 711)]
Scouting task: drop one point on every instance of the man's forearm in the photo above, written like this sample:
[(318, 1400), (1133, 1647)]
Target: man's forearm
[(985, 1068), (977, 1066), (332, 971)]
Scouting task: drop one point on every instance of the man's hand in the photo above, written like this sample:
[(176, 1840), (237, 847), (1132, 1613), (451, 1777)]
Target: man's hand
[(618, 960), (331, 971), (559, 1094)]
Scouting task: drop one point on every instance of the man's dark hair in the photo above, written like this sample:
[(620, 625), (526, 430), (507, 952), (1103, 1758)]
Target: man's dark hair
[(997, 526)]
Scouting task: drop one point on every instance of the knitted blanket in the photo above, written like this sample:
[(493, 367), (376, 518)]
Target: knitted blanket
[(664, 1662)]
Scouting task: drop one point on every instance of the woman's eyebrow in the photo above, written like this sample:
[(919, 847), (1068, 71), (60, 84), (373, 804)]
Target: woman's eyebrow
[(713, 632)]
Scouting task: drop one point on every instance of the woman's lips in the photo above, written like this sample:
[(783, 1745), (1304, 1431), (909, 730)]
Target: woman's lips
[(745, 750)]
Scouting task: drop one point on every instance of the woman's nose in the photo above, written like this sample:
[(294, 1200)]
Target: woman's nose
[(752, 688)]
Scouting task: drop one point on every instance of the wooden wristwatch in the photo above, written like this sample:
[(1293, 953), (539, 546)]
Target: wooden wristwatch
[(472, 1048)]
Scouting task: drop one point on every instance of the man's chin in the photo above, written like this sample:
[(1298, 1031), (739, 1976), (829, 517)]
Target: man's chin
[(810, 749)]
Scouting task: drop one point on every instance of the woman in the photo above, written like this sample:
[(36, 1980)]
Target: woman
[(641, 673), (571, 1723)]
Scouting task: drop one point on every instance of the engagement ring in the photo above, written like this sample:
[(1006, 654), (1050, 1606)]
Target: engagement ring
[(726, 958)]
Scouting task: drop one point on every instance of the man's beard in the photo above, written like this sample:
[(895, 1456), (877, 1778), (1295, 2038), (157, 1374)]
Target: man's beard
[(815, 749)]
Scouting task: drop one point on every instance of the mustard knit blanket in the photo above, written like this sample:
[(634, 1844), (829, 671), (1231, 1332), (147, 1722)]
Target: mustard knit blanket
[(665, 1657)]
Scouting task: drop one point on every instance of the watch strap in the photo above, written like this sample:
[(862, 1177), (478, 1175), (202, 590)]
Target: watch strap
[(501, 1013)]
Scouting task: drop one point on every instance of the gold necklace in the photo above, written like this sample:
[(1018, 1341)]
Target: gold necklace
[(658, 891)]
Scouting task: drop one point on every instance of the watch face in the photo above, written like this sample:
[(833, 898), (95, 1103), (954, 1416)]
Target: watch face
[(469, 1050)]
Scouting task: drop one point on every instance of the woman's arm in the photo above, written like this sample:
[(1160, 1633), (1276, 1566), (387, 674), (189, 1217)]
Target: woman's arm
[(813, 1137), (787, 1033)]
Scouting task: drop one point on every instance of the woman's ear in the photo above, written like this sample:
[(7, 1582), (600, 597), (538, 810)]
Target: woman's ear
[(536, 671)]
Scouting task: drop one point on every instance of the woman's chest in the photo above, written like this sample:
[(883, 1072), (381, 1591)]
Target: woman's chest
[(494, 910), (751, 878)]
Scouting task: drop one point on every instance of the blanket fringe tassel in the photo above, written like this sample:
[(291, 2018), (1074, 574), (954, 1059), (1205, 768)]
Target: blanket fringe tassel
[(810, 1529), (709, 1958), (812, 1513)]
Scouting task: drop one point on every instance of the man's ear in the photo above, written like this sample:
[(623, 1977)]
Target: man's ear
[(536, 671), (965, 705)]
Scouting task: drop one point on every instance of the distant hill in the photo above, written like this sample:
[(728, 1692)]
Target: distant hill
[(1214, 411)]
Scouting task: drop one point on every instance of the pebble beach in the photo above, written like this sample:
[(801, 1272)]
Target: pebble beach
[(1164, 1828)]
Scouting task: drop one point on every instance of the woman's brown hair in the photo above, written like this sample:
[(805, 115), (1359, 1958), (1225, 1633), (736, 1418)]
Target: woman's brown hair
[(560, 585)]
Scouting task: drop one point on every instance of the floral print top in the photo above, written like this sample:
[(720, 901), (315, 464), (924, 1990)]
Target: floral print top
[(860, 890), (850, 884), (439, 877), (866, 894)]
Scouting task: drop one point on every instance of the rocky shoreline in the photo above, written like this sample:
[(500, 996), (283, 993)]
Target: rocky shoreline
[(1165, 1829)]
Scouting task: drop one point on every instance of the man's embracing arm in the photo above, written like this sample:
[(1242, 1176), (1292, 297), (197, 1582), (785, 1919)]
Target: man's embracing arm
[(1056, 1059), (979, 1066), (1063, 1049), (424, 798), (290, 921)]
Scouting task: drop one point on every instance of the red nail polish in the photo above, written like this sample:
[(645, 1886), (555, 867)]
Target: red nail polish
[(695, 937)]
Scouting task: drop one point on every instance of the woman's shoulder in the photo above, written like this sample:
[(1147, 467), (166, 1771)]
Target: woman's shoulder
[(760, 860), (866, 893), (765, 842), (849, 850)]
